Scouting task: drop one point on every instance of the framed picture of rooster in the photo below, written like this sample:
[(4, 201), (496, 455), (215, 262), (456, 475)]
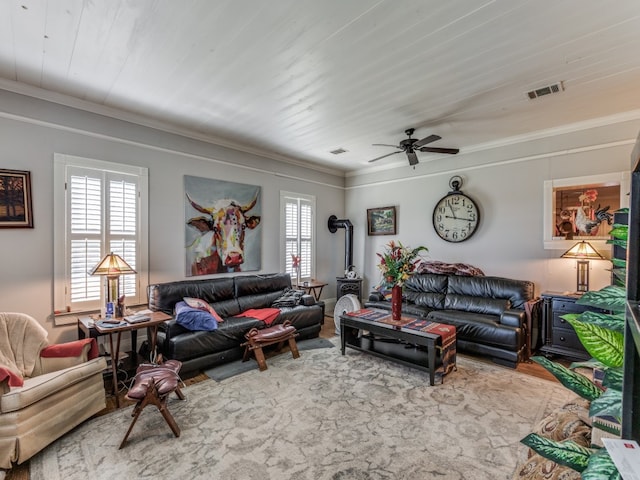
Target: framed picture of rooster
[(581, 208)]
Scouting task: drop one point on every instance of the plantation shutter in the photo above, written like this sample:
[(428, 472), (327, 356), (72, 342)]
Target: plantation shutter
[(102, 214), (298, 234)]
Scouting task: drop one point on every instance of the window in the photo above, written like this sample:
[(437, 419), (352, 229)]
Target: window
[(297, 233), (99, 207)]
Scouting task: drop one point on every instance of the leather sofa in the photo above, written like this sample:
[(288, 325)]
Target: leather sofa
[(493, 316), (230, 296)]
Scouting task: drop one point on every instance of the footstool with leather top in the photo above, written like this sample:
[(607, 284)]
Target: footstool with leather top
[(152, 385), (259, 338)]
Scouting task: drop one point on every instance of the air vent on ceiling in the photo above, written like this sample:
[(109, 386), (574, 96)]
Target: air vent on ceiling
[(338, 151), (549, 89)]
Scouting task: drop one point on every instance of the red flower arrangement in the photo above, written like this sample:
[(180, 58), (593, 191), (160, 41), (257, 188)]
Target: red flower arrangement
[(398, 262)]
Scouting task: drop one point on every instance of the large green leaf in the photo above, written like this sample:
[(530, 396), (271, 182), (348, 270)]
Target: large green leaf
[(620, 275), (619, 231), (610, 297), (609, 403), (619, 262), (600, 467), (592, 363), (613, 378), (618, 242), (577, 383), (603, 344), (611, 321), (566, 453)]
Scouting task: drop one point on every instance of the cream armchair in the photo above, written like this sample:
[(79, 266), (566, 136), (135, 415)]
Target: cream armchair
[(45, 390)]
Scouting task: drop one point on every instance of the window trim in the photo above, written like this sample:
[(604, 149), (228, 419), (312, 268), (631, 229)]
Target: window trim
[(62, 162), (284, 195)]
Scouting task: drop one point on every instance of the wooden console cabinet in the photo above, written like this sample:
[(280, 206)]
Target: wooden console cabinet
[(558, 336)]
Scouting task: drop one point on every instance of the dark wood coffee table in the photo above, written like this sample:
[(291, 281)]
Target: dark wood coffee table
[(395, 343)]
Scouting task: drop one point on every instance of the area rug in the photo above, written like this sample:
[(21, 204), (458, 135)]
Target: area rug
[(231, 369), (323, 416)]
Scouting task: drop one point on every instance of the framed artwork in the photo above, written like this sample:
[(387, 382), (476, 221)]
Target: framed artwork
[(15, 199), (222, 226), (581, 208), (381, 221)]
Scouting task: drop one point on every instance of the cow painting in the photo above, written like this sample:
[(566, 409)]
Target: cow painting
[(219, 235)]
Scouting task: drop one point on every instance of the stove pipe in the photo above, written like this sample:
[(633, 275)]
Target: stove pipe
[(334, 224)]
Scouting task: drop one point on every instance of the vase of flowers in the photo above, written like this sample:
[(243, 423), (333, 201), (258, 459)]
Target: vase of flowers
[(295, 264), (397, 264)]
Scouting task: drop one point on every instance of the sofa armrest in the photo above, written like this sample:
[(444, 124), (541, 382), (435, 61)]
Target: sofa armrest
[(513, 318), (376, 297), (307, 300)]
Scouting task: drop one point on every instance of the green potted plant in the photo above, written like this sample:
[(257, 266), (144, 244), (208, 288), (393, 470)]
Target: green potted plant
[(602, 335)]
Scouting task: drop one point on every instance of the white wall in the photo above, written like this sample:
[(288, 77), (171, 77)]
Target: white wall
[(32, 130), (507, 183)]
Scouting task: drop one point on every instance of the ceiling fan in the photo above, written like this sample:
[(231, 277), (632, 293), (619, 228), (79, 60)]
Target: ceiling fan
[(412, 145)]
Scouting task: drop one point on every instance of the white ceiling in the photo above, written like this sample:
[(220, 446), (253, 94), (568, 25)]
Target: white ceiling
[(298, 78)]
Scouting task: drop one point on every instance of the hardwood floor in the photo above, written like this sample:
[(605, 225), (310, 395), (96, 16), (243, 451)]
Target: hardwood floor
[(21, 472)]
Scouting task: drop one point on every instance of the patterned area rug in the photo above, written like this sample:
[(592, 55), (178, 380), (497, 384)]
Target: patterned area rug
[(323, 416)]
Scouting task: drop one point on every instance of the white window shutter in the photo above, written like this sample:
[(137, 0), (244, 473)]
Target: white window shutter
[(298, 232)]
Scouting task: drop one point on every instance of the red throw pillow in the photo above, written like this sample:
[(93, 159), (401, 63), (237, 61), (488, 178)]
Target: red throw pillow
[(202, 305)]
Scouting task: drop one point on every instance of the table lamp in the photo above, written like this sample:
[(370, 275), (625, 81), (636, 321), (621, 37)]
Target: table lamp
[(582, 252), (112, 265)]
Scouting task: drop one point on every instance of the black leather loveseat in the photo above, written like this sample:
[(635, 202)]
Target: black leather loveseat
[(493, 316), (228, 296)]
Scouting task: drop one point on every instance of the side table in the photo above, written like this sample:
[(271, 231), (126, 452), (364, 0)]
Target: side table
[(558, 336), (156, 318), (313, 287)]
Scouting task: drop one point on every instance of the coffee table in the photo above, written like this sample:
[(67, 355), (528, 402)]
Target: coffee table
[(395, 342)]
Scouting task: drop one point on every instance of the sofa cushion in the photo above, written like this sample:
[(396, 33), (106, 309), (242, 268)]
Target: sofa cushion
[(259, 284), (164, 296), (486, 306), (518, 292), (427, 282), (479, 328)]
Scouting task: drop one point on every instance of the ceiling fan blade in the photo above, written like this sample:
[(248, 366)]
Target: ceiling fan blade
[(451, 151), (383, 156), (385, 145), (425, 140), (413, 158)]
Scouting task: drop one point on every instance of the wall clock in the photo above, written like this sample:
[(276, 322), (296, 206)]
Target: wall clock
[(456, 216)]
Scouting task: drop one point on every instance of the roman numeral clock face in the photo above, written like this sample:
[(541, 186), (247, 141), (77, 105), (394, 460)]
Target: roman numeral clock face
[(456, 217)]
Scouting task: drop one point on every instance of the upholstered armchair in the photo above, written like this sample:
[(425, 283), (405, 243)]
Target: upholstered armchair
[(45, 390)]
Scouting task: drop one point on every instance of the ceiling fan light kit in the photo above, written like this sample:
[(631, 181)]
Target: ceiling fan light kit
[(412, 145)]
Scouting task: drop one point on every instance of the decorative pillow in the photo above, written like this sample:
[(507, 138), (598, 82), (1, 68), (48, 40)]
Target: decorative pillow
[(384, 291), (194, 318), (202, 305), (290, 298)]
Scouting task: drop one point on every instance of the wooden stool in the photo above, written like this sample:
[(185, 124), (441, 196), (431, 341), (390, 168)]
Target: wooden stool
[(256, 339), (152, 385)]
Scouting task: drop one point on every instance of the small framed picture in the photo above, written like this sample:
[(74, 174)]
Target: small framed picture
[(15, 199), (381, 221)]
